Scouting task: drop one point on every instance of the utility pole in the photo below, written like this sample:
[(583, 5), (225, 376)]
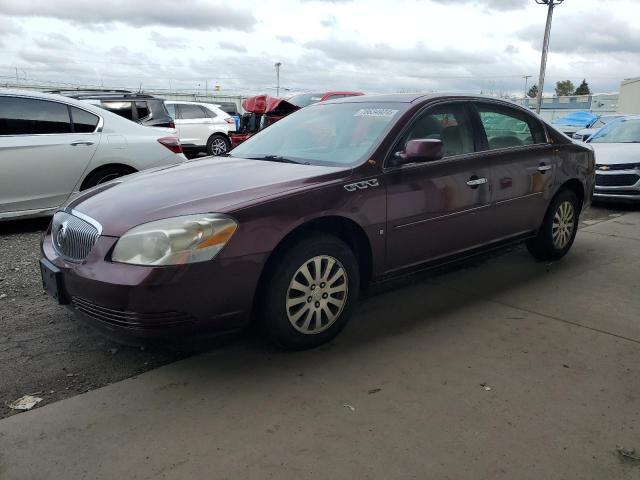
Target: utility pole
[(545, 47), (526, 84), (278, 65)]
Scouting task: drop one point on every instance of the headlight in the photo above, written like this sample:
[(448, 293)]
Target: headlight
[(175, 241)]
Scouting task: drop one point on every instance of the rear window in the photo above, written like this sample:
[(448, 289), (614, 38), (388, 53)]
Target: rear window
[(83, 121), (124, 109), (30, 116), (191, 111), (171, 109)]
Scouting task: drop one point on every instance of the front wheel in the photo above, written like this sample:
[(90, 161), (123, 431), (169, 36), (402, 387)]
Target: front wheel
[(309, 293), (558, 229)]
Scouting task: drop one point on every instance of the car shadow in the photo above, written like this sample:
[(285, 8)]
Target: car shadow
[(29, 225)]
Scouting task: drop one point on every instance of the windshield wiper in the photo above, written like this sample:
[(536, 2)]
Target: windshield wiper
[(278, 158)]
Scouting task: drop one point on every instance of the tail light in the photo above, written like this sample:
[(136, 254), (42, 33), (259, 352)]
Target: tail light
[(172, 124), (230, 120), (172, 143)]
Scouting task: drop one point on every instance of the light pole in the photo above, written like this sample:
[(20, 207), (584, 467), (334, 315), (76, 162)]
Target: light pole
[(526, 84), (545, 47), (277, 65)]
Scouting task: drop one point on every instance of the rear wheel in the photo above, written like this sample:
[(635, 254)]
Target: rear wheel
[(105, 174), (559, 228), (218, 145), (310, 292)]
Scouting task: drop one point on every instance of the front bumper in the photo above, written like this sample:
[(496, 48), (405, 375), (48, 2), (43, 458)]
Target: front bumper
[(133, 302), (618, 184)]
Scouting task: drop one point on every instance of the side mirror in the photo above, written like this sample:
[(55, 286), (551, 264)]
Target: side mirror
[(427, 150)]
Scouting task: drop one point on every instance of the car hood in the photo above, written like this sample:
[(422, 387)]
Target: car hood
[(216, 184), (616, 153)]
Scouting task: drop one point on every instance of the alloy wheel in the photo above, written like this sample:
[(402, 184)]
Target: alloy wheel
[(317, 294), (218, 146), (563, 225)]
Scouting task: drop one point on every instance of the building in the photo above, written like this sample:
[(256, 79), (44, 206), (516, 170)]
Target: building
[(629, 96), (554, 107)]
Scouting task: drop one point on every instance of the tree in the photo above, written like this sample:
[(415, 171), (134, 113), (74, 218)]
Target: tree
[(564, 88), (533, 91), (583, 88)]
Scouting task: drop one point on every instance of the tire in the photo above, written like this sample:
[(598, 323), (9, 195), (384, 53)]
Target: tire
[(105, 174), (218, 145), (305, 317), (560, 220)]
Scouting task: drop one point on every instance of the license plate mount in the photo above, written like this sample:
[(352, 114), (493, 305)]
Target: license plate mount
[(53, 281)]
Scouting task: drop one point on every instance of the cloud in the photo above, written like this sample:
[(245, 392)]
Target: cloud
[(490, 4), (8, 26), (189, 14), (352, 52), (233, 46), (586, 33), (285, 38), (329, 21), (511, 50), (168, 41), (54, 41)]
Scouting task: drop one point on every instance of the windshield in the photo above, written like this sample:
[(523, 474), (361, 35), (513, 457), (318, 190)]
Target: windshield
[(305, 99), (600, 122), (339, 134), (619, 131)]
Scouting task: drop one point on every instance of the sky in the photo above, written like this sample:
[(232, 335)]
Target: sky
[(369, 45)]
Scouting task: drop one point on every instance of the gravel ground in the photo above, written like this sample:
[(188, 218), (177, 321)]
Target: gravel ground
[(46, 351)]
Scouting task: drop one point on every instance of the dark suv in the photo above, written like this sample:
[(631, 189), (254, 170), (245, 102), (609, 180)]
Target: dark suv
[(138, 107), (287, 228)]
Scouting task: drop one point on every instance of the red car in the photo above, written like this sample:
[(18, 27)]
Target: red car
[(260, 112), (263, 110)]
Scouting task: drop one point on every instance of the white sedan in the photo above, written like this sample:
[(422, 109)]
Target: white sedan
[(53, 146)]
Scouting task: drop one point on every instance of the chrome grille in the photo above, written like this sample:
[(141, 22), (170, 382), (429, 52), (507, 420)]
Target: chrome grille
[(73, 237)]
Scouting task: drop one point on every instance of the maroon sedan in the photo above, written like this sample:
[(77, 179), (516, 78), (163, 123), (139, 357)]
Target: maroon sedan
[(285, 231)]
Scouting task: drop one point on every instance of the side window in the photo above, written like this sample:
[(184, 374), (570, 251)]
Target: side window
[(191, 111), (171, 108), (142, 109), (448, 123), (124, 109), (506, 128), (29, 116), (83, 121)]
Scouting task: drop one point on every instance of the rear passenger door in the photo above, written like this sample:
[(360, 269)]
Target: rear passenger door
[(523, 167), (45, 147), (193, 124)]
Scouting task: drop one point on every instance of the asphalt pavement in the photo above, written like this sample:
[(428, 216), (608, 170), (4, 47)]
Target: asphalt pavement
[(47, 352), (500, 368)]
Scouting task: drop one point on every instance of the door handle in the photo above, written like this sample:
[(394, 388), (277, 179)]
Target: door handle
[(475, 182), (83, 143), (543, 168)]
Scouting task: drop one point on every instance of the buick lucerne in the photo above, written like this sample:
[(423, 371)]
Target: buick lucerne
[(282, 233)]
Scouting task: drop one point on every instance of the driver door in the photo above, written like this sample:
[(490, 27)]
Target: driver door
[(440, 207)]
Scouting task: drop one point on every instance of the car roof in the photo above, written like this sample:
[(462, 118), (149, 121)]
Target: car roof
[(417, 97), (51, 96), (193, 103), (104, 94)]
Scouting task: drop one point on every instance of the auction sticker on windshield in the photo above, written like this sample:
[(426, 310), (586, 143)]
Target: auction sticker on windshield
[(375, 112)]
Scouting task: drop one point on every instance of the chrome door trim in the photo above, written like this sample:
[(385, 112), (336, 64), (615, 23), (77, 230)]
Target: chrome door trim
[(441, 217)]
